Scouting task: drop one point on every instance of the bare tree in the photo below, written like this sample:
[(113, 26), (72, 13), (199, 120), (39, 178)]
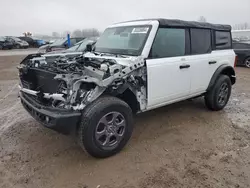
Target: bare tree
[(55, 34), (202, 19), (241, 26), (92, 32), (77, 33)]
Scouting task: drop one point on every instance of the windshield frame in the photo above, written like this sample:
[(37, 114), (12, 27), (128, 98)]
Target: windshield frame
[(121, 51)]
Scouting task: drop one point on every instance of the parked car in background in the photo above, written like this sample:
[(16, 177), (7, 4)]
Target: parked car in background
[(33, 42), (72, 52), (242, 50), (60, 44), (81, 46), (78, 47), (18, 43), (5, 44)]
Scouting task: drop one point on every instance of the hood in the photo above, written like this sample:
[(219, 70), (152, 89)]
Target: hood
[(44, 46), (123, 60)]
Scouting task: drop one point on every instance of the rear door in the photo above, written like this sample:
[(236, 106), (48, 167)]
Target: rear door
[(202, 63), (168, 71), (209, 50)]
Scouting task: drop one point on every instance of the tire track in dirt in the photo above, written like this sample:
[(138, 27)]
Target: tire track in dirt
[(10, 116)]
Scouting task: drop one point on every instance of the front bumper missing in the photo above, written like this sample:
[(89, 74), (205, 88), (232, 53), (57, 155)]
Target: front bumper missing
[(55, 96), (60, 120)]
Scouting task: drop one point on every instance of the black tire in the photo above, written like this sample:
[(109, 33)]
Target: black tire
[(213, 99), (90, 121), (247, 62), (18, 46)]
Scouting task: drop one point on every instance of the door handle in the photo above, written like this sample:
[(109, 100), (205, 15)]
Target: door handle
[(185, 66), (212, 62)]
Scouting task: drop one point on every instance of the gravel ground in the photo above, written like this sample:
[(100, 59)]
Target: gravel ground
[(181, 145)]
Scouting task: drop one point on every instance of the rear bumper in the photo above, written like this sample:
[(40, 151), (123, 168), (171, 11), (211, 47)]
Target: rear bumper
[(60, 120)]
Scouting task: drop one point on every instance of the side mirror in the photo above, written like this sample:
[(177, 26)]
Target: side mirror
[(88, 48)]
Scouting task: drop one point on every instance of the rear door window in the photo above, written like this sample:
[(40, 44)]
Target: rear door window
[(169, 42), (223, 40), (200, 41)]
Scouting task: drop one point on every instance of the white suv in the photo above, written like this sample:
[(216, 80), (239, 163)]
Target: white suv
[(136, 66)]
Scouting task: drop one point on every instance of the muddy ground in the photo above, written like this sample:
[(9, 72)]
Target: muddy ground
[(181, 145)]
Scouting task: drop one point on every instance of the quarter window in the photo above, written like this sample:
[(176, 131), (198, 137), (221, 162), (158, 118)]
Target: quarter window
[(200, 41), (169, 42), (223, 40)]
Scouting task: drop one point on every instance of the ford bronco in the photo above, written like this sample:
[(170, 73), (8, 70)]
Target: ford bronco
[(135, 66)]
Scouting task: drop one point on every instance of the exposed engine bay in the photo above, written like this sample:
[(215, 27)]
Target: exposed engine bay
[(73, 83)]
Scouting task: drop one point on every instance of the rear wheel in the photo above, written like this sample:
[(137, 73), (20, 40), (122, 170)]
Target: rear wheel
[(105, 127), (247, 62), (217, 98)]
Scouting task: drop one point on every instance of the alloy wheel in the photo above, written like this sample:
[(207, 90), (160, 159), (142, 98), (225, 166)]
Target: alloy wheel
[(110, 130), (223, 94)]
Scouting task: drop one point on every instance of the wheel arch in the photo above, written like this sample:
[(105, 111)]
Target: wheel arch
[(225, 70), (129, 97)]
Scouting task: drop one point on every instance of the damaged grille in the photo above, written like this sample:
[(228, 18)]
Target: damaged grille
[(72, 84)]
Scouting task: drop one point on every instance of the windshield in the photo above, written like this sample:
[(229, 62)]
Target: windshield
[(58, 42), (74, 48), (127, 40)]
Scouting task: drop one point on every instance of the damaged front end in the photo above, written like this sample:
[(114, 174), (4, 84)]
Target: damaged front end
[(56, 92)]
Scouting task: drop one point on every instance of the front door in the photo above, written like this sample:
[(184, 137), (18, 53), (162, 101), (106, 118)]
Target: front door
[(168, 71)]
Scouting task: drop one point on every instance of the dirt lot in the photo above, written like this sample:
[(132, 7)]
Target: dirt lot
[(181, 145)]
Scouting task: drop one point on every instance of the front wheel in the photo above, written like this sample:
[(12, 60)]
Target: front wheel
[(217, 98), (105, 127)]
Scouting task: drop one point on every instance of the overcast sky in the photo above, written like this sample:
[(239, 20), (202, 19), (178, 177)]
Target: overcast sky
[(46, 16)]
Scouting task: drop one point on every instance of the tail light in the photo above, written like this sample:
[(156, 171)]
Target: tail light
[(235, 60)]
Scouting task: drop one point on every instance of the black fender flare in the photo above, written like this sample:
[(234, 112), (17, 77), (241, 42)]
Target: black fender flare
[(223, 69)]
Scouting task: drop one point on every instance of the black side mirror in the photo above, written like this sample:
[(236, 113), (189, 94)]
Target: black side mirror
[(88, 48)]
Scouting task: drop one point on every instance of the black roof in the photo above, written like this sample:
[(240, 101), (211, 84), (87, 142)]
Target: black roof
[(192, 24)]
